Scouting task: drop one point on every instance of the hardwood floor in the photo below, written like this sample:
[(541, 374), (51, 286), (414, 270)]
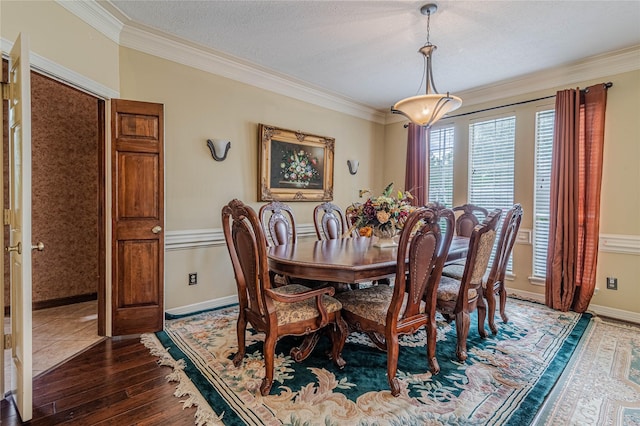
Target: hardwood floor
[(115, 382)]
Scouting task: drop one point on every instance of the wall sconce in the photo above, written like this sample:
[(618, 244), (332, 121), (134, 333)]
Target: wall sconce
[(219, 148), (353, 166)]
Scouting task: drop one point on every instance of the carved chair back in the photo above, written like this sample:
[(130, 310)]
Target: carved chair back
[(278, 223), (329, 221), (468, 220)]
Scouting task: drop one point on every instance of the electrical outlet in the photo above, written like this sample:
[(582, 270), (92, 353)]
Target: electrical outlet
[(193, 278), (612, 283)]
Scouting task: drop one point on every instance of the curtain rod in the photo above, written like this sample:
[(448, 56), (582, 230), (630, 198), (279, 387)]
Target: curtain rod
[(606, 85)]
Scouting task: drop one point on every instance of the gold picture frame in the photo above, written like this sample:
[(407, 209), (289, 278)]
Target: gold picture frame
[(294, 166)]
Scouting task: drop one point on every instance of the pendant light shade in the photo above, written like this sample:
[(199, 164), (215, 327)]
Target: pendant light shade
[(425, 110)]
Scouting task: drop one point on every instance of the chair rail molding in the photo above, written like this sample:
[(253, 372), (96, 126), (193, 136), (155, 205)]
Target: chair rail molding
[(189, 239), (625, 244)]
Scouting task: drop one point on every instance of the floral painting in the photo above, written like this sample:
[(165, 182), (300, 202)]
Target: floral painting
[(299, 166), (295, 166)]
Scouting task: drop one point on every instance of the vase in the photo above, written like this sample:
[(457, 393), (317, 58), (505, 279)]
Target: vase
[(384, 237)]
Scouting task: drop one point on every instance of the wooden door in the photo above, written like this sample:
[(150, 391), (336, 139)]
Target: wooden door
[(18, 218), (137, 132)]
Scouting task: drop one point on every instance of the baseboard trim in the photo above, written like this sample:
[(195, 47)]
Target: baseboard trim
[(604, 311), (63, 301), (203, 306)]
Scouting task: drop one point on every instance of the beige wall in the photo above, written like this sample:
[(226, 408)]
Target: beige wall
[(61, 37), (198, 106), (620, 201)]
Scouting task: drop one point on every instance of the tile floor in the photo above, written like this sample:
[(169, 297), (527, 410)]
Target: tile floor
[(58, 334)]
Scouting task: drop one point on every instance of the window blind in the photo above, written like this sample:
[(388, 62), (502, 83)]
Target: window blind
[(441, 166), (545, 121), (491, 162)]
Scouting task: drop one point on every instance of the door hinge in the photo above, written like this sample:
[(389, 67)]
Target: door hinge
[(6, 217), (6, 90), (7, 341)]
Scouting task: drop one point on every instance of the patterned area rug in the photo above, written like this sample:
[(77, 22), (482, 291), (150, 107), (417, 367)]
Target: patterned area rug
[(504, 381), (602, 384)]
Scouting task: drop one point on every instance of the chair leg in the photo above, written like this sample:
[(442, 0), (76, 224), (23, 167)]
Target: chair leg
[(338, 333), (491, 311), (392, 363), (482, 312), (462, 330), (241, 329), (269, 352), (503, 303), (432, 334)]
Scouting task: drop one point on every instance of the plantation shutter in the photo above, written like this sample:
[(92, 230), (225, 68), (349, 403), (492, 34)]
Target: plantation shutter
[(441, 166), (544, 144), (491, 174)]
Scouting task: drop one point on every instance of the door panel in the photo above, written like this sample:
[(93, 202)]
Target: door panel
[(138, 216), (20, 225)]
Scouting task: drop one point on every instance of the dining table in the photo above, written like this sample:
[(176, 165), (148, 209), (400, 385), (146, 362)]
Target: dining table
[(350, 260)]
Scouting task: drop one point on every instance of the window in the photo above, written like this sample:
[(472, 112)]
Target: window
[(544, 143), (441, 166), (491, 162)]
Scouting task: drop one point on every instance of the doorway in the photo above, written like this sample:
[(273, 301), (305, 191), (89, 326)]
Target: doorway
[(68, 175)]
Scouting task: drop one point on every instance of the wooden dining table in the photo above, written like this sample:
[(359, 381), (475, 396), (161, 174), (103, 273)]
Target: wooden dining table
[(351, 260)]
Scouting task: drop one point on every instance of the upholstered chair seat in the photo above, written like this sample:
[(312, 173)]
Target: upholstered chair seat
[(288, 313), (372, 303), (449, 289)]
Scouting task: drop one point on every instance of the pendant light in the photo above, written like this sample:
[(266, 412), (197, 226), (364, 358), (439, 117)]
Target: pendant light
[(425, 110)]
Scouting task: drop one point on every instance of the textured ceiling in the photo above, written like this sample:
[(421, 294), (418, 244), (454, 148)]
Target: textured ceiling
[(366, 51)]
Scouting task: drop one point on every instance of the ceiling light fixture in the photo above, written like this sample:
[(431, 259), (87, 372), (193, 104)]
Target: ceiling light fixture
[(425, 110)]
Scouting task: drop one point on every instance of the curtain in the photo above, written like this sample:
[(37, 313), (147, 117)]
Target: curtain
[(416, 180), (576, 176)]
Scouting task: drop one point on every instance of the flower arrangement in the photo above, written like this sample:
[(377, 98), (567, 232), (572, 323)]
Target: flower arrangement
[(385, 214), (298, 166)]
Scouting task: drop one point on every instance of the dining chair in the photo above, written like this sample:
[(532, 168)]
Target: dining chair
[(494, 284), (457, 298), (276, 311), (329, 221), (350, 216), (278, 222), (386, 312), (279, 225), (468, 219)]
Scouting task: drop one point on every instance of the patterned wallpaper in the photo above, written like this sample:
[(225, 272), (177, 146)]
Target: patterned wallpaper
[(64, 190)]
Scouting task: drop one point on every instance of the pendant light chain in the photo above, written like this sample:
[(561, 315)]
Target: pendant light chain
[(428, 27)]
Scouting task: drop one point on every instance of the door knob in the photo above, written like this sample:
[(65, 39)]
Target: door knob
[(39, 246), (156, 229), (17, 248)]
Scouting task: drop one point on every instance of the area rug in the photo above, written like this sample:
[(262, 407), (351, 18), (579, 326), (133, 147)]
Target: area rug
[(601, 386), (504, 381)]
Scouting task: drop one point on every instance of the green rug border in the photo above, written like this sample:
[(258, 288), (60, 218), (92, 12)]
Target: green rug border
[(524, 415), (542, 389)]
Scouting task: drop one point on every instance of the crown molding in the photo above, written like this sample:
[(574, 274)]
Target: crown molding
[(141, 39), (96, 16), (202, 59), (160, 45), (594, 67)]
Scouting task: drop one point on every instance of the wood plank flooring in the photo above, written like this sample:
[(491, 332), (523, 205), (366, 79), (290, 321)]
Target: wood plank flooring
[(115, 382)]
